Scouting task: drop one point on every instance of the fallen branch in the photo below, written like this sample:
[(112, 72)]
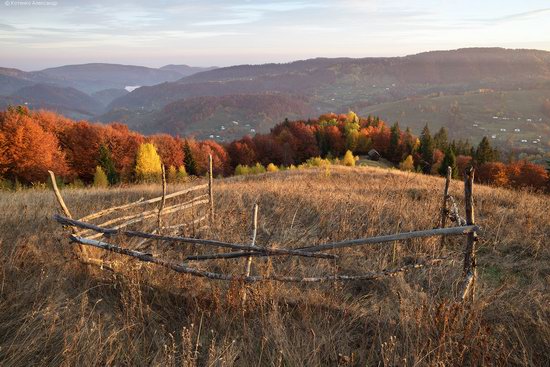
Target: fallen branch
[(140, 202), (394, 237), (234, 246), (181, 268)]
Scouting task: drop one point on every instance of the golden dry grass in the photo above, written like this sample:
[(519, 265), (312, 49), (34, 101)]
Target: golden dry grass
[(54, 311)]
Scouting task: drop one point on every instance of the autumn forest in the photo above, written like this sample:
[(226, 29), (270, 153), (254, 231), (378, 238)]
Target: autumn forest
[(83, 153)]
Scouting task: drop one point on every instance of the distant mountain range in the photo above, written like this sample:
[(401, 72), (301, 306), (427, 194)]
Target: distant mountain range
[(102, 83), (475, 91)]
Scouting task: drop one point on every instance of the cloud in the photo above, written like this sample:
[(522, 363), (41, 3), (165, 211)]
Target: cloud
[(516, 16), (7, 27)]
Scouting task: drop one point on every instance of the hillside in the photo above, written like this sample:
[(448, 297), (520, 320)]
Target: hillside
[(186, 70), (65, 100), (54, 311), (225, 117), (340, 84)]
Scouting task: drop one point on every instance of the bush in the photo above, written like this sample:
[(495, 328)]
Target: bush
[(242, 170), (272, 168), (182, 174), (349, 159), (257, 168), (407, 164), (100, 178)]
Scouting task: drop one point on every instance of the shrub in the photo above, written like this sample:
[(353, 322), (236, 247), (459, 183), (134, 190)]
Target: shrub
[(349, 159), (272, 168), (257, 168), (100, 178), (172, 174), (182, 174), (242, 170), (407, 164)]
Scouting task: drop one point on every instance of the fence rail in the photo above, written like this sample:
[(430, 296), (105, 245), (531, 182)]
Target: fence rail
[(466, 228)]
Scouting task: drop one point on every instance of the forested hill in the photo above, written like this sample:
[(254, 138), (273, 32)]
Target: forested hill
[(79, 152), (443, 88)]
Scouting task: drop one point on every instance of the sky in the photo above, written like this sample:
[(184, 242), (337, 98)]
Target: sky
[(39, 34)]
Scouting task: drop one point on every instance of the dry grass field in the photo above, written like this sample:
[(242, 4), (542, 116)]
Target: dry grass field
[(55, 311)]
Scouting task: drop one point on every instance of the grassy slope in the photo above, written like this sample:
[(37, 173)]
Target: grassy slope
[(52, 311), (474, 108)]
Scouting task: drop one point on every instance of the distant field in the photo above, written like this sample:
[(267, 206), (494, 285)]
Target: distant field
[(55, 312), (459, 113)]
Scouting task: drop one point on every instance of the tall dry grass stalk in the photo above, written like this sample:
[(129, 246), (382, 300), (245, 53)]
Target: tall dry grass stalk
[(54, 311)]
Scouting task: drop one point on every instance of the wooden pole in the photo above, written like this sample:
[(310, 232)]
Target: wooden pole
[(249, 258), (444, 210), (163, 201), (82, 252), (470, 271), (210, 188), (182, 268), (214, 243)]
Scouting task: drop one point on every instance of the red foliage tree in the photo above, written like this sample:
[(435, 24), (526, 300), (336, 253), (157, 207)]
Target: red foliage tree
[(27, 152)]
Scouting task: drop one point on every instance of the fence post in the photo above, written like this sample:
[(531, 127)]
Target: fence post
[(470, 271), (163, 201), (210, 191), (82, 252), (254, 232), (444, 211)]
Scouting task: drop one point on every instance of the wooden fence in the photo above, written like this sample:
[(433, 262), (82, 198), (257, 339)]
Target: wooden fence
[(86, 234)]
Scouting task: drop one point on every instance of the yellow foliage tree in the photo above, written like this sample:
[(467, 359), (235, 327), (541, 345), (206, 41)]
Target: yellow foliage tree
[(100, 178), (407, 164), (148, 163), (349, 159), (272, 168)]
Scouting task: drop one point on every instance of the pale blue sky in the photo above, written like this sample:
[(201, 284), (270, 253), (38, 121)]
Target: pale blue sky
[(222, 32)]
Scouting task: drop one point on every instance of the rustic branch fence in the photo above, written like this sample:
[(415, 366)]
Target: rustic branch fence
[(86, 234)]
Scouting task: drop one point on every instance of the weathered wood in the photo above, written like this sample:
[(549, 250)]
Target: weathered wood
[(470, 270), (444, 210), (140, 217), (249, 258), (141, 202), (254, 232), (163, 200), (181, 268), (113, 231), (81, 253), (210, 187), (393, 237)]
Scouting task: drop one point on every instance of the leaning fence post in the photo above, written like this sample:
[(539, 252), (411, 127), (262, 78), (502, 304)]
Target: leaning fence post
[(470, 271), (82, 252), (163, 201), (254, 232), (210, 191), (444, 211)]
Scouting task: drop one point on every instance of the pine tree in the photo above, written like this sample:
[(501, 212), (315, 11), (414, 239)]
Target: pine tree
[(107, 164), (395, 147), (441, 139), (188, 160), (426, 149), (484, 152), (449, 161), (148, 163), (100, 178)]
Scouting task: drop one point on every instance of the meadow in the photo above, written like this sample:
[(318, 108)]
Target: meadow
[(56, 311)]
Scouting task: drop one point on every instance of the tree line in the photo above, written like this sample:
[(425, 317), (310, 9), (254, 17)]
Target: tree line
[(33, 142)]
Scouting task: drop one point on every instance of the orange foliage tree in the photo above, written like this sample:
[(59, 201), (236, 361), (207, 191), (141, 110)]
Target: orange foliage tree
[(27, 152)]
